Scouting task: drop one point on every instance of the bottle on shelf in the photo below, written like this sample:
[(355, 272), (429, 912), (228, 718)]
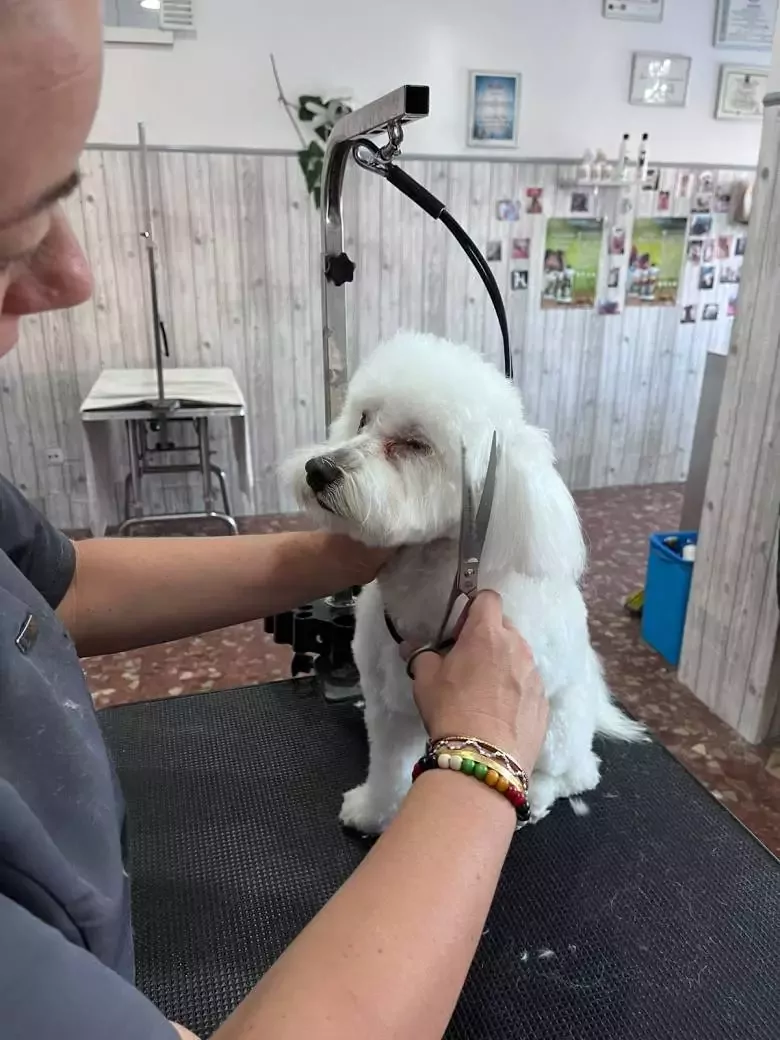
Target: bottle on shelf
[(642, 158), (585, 168), (623, 160)]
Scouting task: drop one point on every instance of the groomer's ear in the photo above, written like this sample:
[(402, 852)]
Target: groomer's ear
[(534, 526)]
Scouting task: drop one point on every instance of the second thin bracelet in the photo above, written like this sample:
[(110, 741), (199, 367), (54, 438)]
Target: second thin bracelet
[(457, 745)]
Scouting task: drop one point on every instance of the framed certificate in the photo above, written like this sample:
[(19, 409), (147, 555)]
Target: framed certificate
[(745, 24), (494, 109), (660, 80), (634, 10), (741, 92)]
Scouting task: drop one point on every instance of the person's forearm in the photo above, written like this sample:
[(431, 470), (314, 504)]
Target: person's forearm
[(133, 592), (388, 955)]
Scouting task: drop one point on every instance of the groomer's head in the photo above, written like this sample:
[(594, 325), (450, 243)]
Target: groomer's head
[(49, 84)]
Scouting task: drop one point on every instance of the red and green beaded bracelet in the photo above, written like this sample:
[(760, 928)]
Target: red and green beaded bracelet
[(491, 774)]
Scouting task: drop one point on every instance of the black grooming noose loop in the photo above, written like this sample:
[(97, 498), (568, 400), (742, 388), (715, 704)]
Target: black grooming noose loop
[(378, 160)]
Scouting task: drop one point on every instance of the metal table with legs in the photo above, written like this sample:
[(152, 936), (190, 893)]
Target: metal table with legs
[(147, 461), (126, 397)]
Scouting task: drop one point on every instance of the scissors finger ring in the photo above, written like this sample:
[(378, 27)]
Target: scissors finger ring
[(425, 649), (440, 651)]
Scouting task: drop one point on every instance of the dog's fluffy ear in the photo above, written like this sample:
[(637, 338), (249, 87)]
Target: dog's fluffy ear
[(534, 527)]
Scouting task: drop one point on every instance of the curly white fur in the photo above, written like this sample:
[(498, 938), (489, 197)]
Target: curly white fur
[(396, 448)]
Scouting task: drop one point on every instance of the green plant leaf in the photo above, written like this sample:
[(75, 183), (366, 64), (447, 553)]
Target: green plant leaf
[(304, 114), (311, 161)]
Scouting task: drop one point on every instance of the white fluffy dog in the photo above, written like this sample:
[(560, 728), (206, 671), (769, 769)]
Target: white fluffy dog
[(390, 475)]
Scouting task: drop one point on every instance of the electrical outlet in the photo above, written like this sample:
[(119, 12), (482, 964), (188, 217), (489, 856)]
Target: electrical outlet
[(55, 456)]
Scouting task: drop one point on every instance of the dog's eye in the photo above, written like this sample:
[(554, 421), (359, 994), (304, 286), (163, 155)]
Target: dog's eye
[(363, 422), (415, 445)]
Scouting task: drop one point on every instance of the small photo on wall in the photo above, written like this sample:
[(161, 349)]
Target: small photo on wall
[(731, 307), (617, 242), (702, 204), (533, 200), (493, 251), (724, 247), (729, 274), (695, 250), (710, 312), (521, 248), (494, 109), (652, 179), (701, 225), (706, 182), (519, 280), (707, 278), (580, 202), (507, 209), (664, 201), (708, 251), (609, 307), (688, 314), (722, 200), (613, 278), (739, 246), (684, 184)]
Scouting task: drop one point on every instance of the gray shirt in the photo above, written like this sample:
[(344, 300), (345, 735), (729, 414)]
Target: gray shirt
[(66, 953)]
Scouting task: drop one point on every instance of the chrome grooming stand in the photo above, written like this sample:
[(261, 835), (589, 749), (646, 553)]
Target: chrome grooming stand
[(387, 115), (154, 419), (321, 633)]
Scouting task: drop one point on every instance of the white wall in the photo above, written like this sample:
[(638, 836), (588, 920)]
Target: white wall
[(217, 89)]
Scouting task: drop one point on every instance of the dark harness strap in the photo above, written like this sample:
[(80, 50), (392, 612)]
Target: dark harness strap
[(392, 629)]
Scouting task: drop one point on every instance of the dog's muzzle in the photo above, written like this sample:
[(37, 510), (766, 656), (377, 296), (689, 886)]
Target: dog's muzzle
[(321, 473)]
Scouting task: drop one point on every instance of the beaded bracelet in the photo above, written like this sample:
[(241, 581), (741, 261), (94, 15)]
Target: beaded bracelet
[(481, 747), (483, 768)]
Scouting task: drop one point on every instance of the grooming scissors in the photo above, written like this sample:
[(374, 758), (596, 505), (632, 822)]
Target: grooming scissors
[(473, 532)]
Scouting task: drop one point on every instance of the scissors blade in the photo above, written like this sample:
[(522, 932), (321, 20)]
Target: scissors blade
[(488, 492), (474, 528)]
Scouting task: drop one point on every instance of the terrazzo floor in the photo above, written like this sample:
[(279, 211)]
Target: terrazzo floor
[(617, 523)]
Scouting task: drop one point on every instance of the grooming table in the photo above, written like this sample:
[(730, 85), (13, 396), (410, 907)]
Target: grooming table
[(126, 396), (655, 916)]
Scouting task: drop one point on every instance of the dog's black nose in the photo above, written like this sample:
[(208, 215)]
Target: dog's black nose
[(321, 472)]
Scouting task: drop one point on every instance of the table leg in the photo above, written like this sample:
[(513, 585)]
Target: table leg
[(135, 506), (205, 464)]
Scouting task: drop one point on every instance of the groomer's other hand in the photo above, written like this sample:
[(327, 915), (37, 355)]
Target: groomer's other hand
[(487, 686), (360, 563)]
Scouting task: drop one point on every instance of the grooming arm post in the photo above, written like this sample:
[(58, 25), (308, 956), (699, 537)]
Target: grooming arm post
[(386, 114), (148, 236)]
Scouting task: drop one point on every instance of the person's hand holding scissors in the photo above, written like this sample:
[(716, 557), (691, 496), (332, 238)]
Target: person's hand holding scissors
[(486, 686)]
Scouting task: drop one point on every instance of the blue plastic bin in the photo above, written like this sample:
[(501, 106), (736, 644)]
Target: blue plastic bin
[(667, 587)]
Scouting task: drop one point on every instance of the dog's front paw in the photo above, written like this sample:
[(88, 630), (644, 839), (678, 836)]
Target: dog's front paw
[(364, 812), (541, 796)]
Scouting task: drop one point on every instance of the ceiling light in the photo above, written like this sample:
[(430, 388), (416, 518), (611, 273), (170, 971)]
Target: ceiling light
[(151, 5)]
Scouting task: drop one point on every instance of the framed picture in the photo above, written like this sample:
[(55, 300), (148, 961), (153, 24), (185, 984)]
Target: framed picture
[(745, 24), (494, 109), (741, 92), (659, 80), (634, 10)]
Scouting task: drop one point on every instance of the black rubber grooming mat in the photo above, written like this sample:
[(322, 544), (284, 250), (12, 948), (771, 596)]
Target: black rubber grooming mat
[(655, 915)]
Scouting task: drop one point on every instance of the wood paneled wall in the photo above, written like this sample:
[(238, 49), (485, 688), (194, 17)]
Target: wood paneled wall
[(730, 653), (239, 245)]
